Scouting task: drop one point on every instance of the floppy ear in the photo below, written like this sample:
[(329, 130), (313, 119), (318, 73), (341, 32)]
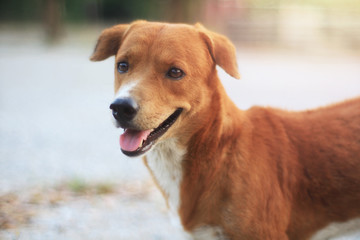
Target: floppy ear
[(221, 50), (109, 42)]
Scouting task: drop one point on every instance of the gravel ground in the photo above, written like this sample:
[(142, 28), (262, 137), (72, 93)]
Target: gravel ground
[(55, 128), (124, 211)]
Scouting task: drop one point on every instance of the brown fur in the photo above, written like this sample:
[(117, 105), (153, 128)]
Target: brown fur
[(259, 174)]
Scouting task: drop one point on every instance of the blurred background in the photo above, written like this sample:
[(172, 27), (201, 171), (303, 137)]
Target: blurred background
[(297, 24), (62, 175)]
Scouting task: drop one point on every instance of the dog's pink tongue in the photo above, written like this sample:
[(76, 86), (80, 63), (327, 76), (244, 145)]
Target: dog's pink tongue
[(131, 140)]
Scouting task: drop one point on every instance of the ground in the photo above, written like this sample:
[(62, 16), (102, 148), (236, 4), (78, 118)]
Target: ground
[(62, 175)]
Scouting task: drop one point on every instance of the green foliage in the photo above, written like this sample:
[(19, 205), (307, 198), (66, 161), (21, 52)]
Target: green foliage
[(87, 10), (78, 186), (21, 10), (122, 10), (81, 187)]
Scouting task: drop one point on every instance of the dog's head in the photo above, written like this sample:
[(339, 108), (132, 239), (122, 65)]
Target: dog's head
[(164, 76)]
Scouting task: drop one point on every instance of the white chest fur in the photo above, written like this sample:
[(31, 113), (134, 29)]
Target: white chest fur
[(349, 230), (165, 161)]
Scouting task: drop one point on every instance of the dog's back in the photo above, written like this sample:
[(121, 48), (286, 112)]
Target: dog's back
[(316, 155)]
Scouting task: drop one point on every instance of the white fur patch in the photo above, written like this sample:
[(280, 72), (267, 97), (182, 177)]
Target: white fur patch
[(208, 233), (125, 90), (349, 230), (165, 161)]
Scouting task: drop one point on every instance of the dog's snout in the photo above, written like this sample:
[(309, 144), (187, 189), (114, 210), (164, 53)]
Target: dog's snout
[(124, 109)]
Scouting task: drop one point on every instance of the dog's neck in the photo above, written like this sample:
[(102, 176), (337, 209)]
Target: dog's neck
[(166, 160), (223, 119)]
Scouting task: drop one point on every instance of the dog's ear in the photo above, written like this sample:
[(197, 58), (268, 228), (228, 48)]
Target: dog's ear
[(109, 42), (221, 50)]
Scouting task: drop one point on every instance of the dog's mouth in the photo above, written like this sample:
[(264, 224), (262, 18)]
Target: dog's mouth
[(136, 142)]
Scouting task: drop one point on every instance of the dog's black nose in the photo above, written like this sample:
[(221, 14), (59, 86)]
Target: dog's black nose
[(124, 109)]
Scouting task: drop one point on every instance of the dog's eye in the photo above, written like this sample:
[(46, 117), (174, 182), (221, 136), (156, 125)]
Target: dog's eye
[(175, 73), (123, 67)]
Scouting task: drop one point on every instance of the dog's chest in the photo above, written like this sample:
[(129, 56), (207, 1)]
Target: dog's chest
[(165, 162)]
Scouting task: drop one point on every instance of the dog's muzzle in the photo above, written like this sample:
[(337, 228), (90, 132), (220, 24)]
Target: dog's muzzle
[(124, 110), (136, 141)]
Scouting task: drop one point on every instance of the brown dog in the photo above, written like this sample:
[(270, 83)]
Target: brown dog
[(228, 174)]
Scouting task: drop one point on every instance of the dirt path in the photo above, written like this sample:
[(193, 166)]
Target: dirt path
[(76, 210)]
